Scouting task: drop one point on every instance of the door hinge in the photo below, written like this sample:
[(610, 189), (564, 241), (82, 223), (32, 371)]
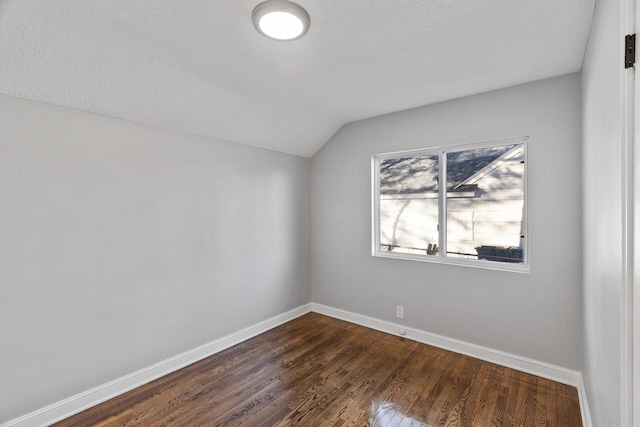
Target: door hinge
[(629, 50)]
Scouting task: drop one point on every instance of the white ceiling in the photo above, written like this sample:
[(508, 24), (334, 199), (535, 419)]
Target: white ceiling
[(200, 67)]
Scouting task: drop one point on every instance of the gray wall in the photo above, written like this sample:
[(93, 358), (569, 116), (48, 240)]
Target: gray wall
[(537, 315), (603, 214), (122, 245)]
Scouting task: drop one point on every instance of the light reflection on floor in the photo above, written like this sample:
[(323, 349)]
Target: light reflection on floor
[(385, 414)]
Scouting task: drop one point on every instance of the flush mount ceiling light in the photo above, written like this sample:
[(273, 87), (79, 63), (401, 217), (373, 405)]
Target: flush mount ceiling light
[(281, 20)]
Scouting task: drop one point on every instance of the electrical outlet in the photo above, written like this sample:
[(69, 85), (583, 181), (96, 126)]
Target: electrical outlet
[(400, 311)]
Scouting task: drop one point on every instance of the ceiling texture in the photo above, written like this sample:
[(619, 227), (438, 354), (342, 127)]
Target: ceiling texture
[(200, 66)]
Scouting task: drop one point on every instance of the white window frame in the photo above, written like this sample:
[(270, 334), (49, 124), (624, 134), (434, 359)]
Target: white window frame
[(441, 257)]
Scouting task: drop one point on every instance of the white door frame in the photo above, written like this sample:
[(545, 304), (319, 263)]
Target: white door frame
[(630, 366), (630, 300)]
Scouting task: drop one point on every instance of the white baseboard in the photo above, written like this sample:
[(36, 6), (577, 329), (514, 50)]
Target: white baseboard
[(584, 404), (520, 363), (82, 401)]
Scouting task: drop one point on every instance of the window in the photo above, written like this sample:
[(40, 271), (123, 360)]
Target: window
[(480, 191)]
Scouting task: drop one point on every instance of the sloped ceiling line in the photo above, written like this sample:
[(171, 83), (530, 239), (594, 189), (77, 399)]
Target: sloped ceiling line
[(200, 66)]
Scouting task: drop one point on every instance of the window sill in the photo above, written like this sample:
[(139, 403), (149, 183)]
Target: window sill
[(487, 265)]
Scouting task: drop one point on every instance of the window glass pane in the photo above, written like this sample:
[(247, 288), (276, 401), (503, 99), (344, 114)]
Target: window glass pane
[(485, 204), (409, 204)]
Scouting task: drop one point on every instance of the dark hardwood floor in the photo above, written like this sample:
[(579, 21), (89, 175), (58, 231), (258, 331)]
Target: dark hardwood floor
[(319, 371)]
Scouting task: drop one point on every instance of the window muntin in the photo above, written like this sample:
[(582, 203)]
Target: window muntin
[(479, 188)]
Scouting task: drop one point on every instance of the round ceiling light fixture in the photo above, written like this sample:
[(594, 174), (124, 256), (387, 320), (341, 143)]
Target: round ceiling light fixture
[(281, 20)]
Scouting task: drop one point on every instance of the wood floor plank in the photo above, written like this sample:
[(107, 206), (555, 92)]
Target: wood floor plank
[(320, 371)]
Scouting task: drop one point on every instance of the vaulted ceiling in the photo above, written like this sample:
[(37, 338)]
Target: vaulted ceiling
[(200, 66)]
